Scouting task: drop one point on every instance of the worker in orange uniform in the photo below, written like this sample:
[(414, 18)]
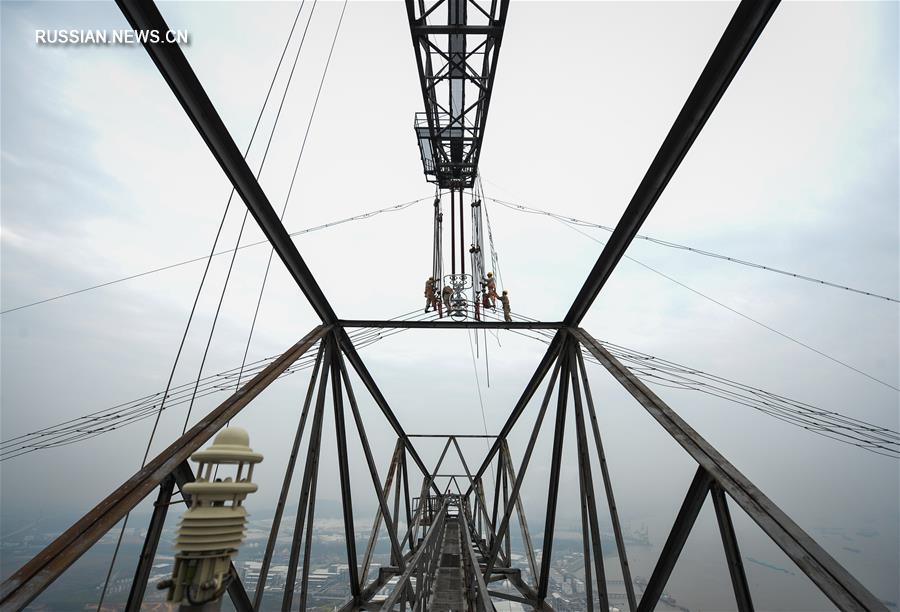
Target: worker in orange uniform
[(491, 290), (504, 299), (447, 293), (430, 295)]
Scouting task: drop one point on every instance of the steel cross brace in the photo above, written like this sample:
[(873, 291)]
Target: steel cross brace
[(306, 504), (393, 469), (151, 542), (381, 494), (586, 481), (702, 484), (504, 523), (607, 483), (286, 484)]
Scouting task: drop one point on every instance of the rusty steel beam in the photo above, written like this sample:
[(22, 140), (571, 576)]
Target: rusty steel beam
[(45, 567)]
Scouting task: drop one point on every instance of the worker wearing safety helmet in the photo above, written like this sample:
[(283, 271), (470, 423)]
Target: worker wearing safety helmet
[(447, 293), (491, 289), (430, 299)]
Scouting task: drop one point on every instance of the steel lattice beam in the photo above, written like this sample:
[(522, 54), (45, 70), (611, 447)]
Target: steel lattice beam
[(448, 38)]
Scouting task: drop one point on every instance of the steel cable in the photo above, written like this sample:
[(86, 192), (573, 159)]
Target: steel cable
[(290, 190), (237, 243)]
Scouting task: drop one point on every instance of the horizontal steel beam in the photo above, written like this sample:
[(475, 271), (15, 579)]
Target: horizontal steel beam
[(744, 28), (510, 597), (467, 324), (471, 30), (45, 567), (174, 67), (833, 580), (451, 436)]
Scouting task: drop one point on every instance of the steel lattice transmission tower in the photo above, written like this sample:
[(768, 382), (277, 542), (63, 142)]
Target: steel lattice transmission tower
[(462, 513)]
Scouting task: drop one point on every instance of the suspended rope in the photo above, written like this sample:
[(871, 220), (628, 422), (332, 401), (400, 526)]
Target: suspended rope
[(487, 443), (495, 265), (495, 259), (705, 253)]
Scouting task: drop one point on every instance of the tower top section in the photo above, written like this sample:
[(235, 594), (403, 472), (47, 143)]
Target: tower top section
[(457, 43)]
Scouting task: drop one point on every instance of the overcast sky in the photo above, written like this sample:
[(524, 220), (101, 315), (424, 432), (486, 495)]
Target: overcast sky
[(104, 176)]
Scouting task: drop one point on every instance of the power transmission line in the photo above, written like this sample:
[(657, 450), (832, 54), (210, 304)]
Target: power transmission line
[(660, 372), (651, 369), (110, 419), (741, 314), (359, 217), (237, 242), (290, 190), (705, 253)]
